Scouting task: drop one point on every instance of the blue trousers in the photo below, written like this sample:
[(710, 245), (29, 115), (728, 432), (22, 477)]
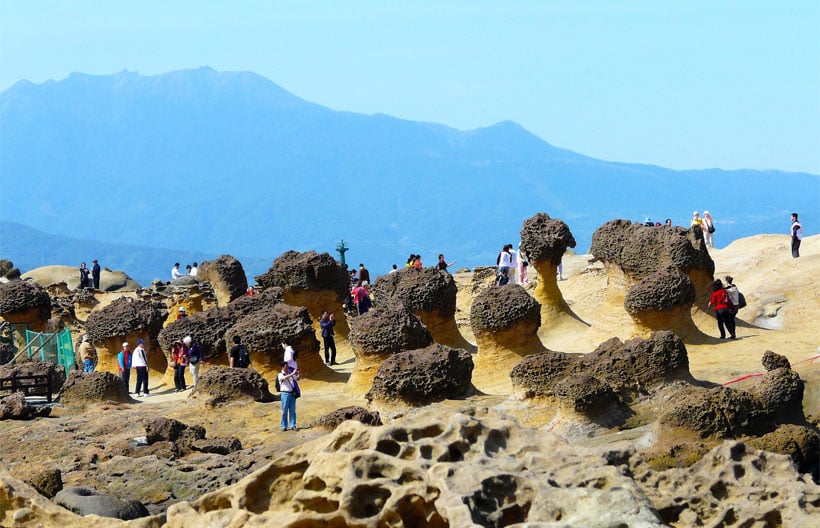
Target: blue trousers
[(88, 365), (288, 411)]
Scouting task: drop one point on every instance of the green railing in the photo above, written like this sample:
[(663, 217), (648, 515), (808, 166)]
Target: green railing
[(50, 347)]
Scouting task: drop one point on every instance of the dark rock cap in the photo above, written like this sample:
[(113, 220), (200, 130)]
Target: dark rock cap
[(388, 329), (19, 296), (664, 289), (425, 289), (545, 238), (309, 271), (500, 307)]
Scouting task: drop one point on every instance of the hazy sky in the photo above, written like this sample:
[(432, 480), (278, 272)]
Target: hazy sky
[(688, 84)]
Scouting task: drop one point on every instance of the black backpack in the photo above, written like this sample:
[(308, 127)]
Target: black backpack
[(243, 359), (276, 384)]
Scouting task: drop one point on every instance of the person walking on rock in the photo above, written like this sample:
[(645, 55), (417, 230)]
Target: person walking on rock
[(327, 322), (195, 357), (88, 354), (95, 274), (287, 383), (139, 359), (124, 365), (502, 263), (797, 235), (723, 306), (180, 356)]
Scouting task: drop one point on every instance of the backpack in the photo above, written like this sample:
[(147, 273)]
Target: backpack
[(244, 359), (195, 354), (741, 300), (276, 384)]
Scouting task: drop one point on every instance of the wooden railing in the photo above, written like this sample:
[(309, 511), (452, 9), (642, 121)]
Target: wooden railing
[(31, 385)]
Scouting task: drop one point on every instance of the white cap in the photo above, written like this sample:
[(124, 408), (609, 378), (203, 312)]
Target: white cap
[(124, 344), (187, 340), (181, 308)]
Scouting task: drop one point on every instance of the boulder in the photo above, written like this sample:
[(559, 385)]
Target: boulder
[(429, 294), (780, 392), (97, 386), (223, 385), (333, 419), (47, 482), (15, 407), (217, 446), (801, 443), (378, 334), (69, 276), (585, 394), (423, 376), (772, 361), (83, 500), (718, 412), (536, 375), (662, 301), (8, 271), (161, 429), (25, 302), (227, 277)]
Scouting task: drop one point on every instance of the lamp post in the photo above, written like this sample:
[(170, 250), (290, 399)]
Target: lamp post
[(341, 248)]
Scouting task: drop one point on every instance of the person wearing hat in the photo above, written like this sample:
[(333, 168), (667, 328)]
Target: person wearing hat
[(139, 359), (195, 356), (361, 296), (88, 354), (95, 274), (124, 364), (181, 313)]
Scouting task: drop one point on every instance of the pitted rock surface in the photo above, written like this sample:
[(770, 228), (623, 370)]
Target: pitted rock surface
[(718, 412), (20, 297), (264, 331), (218, 385), (15, 407), (545, 238), (184, 281), (184, 438), (419, 377), (772, 361), (94, 386), (586, 394), (641, 250), (333, 419), (124, 316), (226, 275), (664, 289), (538, 373), (780, 392), (387, 330), (83, 500), (8, 271), (500, 307), (48, 482), (427, 289), (801, 443), (33, 367), (309, 271)]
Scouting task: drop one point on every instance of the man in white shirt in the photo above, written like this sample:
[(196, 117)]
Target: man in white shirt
[(797, 235), (194, 270), (175, 273)]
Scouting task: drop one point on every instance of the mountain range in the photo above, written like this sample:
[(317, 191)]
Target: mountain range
[(204, 163)]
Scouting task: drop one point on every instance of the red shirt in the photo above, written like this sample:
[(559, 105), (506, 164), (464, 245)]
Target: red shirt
[(720, 300)]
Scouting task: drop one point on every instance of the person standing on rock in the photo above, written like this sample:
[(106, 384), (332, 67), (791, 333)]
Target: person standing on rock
[(95, 274), (180, 356), (88, 354), (287, 383), (361, 296), (797, 235), (723, 306), (502, 262), (85, 282), (696, 220), (195, 356), (175, 273), (238, 356), (139, 359), (327, 322), (194, 270), (442, 263), (124, 365), (708, 226), (364, 275), (513, 271)]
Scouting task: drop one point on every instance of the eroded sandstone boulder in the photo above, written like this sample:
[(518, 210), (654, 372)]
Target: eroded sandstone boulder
[(536, 375), (25, 302), (333, 419), (772, 361), (90, 387), (8, 271), (83, 500), (223, 385), (15, 407), (69, 277), (662, 301), (227, 277), (423, 376), (47, 482), (800, 442)]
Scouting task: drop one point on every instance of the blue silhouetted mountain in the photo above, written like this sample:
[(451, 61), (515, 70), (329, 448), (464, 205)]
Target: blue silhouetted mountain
[(232, 163)]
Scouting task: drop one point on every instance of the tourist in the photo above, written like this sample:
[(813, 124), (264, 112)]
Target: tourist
[(195, 356), (503, 277), (327, 322), (181, 313), (180, 356), (124, 365), (239, 356), (187, 269), (734, 298), (250, 292), (417, 262), (88, 354), (364, 275), (723, 305), (175, 273), (394, 270), (95, 274), (668, 222), (194, 270), (139, 360), (290, 356), (85, 282), (708, 227), (410, 260), (443, 264), (502, 262), (696, 220), (522, 273), (361, 297), (288, 387), (797, 235), (513, 271)]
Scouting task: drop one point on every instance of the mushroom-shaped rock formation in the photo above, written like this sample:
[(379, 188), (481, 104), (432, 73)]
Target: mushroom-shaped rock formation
[(311, 279), (663, 301), (110, 280), (219, 385), (430, 294), (420, 377), (127, 320), (377, 335), (90, 387), (632, 253), (265, 330), (360, 414), (7, 271), (544, 241), (505, 321), (24, 302), (227, 277)]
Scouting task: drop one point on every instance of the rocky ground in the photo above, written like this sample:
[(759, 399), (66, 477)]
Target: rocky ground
[(492, 458)]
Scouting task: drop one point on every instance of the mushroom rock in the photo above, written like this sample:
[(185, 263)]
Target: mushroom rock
[(663, 301), (263, 332), (310, 279), (420, 377), (222, 385), (227, 277), (25, 302), (97, 386), (505, 321), (544, 241), (110, 280), (7, 271), (429, 294), (127, 320), (377, 335)]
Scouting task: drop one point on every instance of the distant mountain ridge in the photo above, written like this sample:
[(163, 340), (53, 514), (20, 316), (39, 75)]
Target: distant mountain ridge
[(230, 162)]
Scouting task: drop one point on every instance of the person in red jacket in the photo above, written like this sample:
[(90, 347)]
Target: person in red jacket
[(723, 306)]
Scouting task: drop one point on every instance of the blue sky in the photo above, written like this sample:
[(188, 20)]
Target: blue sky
[(696, 84)]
